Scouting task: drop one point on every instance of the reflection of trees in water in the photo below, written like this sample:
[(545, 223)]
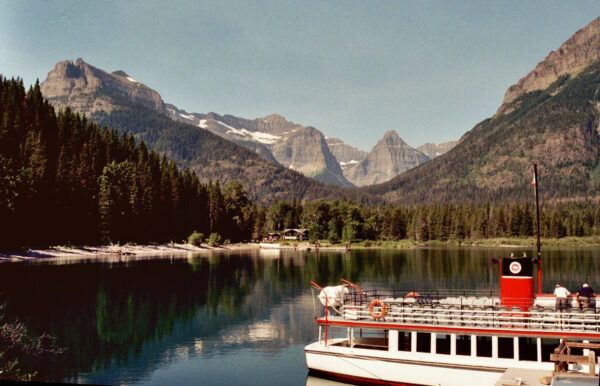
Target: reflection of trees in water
[(571, 268), (113, 315)]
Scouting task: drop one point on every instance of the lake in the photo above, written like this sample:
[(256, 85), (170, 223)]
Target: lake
[(228, 318)]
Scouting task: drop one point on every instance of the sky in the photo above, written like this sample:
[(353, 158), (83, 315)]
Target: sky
[(430, 70)]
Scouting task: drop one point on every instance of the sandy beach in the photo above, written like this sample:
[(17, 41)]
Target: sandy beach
[(82, 253)]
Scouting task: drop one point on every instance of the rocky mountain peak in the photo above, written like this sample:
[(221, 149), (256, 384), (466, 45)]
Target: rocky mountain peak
[(274, 119), (305, 150), (211, 115), (392, 138), (388, 158), (88, 89), (582, 49)]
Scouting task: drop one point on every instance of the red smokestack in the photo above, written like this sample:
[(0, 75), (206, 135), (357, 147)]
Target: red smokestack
[(516, 283)]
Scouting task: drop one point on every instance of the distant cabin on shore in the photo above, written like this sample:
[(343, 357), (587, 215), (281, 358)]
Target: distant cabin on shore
[(295, 234)]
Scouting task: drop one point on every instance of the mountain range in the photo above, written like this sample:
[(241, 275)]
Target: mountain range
[(118, 101), (93, 91), (551, 116)]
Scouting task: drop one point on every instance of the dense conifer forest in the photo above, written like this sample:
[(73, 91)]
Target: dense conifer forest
[(65, 180)]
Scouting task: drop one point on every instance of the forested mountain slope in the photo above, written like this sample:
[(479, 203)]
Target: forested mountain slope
[(557, 127), (214, 158)]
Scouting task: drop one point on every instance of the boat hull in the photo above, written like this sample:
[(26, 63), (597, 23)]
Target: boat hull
[(359, 368)]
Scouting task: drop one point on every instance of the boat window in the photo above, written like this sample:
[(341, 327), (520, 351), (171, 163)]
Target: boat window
[(484, 346), (548, 346), (442, 344), (463, 345), (371, 339), (423, 342), (506, 348), (528, 349), (404, 340)]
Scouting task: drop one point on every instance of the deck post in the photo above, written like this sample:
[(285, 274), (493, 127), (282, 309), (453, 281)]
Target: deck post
[(433, 343), (592, 363), (473, 345), (516, 348), (393, 341), (539, 349), (413, 341), (495, 347)]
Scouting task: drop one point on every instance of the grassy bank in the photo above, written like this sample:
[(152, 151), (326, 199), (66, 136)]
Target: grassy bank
[(493, 242)]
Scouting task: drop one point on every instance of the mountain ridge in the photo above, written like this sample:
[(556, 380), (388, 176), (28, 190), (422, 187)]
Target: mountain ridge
[(580, 50), (90, 90)]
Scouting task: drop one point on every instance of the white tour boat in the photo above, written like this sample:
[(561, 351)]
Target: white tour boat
[(458, 338)]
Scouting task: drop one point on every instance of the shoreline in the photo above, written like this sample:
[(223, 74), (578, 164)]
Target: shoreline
[(127, 251), (165, 250)]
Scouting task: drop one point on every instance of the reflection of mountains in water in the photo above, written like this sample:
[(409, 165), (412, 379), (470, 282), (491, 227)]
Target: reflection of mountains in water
[(121, 321), (132, 313), (213, 335)]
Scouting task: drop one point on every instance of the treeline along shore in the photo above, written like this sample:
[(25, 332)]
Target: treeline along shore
[(67, 181)]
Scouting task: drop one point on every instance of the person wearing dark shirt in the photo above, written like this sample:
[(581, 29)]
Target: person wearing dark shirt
[(584, 296)]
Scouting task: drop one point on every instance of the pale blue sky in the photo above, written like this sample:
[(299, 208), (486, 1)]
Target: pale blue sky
[(430, 70)]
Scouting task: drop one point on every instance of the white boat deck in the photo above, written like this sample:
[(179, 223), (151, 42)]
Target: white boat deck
[(523, 377)]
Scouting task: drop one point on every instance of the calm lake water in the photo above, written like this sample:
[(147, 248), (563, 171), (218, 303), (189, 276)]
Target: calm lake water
[(229, 318)]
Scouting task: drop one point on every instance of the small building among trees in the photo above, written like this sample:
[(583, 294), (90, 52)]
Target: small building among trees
[(295, 234)]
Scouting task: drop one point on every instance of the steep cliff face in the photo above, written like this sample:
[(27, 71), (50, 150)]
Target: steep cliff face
[(390, 157), (573, 55), (88, 89), (274, 138), (433, 150), (305, 150)]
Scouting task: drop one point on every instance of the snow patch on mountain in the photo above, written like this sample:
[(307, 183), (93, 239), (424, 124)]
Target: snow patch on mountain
[(255, 135), (186, 116)]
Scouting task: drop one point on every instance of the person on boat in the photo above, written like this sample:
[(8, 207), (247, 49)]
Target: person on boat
[(584, 296), (562, 297)]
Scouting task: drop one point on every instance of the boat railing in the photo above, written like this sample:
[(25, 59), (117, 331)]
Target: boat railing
[(489, 315), (458, 297)]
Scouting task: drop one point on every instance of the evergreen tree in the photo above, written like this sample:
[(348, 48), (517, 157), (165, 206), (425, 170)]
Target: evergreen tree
[(114, 201)]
